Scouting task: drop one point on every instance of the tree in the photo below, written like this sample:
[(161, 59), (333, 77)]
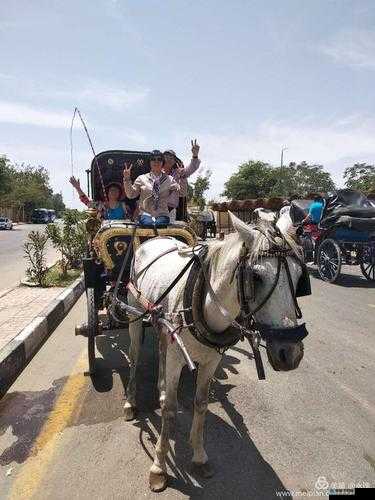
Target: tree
[(200, 186), (302, 178), (5, 175), (57, 203), (254, 179), (360, 176), (27, 186)]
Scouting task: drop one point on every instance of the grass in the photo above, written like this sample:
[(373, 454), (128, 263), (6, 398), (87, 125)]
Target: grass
[(55, 277)]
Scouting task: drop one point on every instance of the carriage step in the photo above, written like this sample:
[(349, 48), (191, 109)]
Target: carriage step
[(82, 329)]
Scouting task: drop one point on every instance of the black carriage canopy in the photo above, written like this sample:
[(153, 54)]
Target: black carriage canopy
[(345, 208), (111, 165), (348, 208)]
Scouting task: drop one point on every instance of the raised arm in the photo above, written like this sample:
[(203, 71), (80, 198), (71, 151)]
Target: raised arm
[(131, 190), (194, 163), (77, 186)]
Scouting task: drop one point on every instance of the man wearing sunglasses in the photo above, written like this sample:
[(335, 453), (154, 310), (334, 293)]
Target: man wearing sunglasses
[(153, 190)]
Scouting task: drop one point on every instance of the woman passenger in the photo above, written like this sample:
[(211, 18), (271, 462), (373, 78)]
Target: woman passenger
[(153, 190), (112, 208)]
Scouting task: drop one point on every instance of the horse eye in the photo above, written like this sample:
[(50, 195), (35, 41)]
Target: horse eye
[(257, 277)]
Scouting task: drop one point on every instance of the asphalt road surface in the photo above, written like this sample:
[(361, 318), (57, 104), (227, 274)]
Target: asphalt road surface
[(63, 437), (12, 262)]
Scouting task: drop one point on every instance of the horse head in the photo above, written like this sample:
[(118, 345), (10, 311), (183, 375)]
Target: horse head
[(273, 271)]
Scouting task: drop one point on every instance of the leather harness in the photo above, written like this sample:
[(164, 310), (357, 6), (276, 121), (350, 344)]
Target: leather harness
[(245, 325)]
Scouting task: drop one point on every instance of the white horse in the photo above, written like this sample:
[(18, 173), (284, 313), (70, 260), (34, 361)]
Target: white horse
[(279, 312)]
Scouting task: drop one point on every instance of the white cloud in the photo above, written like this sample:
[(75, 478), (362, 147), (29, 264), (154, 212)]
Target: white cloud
[(355, 48), (112, 95), (336, 144), (23, 114)]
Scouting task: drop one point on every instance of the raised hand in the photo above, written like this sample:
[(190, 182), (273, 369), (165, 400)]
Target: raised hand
[(75, 183), (127, 172), (195, 148)]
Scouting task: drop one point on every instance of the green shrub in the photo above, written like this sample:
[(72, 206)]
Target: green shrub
[(69, 238), (35, 248)]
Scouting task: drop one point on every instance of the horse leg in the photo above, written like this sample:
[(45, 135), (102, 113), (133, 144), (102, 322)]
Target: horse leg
[(200, 459), (158, 472), (135, 333), (163, 344)]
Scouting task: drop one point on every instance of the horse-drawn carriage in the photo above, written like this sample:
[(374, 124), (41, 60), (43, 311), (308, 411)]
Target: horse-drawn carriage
[(210, 296), (110, 247), (344, 236)]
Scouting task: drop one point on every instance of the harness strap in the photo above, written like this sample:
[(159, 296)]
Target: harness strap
[(150, 307), (270, 292), (154, 260), (216, 301), (290, 281), (124, 262)]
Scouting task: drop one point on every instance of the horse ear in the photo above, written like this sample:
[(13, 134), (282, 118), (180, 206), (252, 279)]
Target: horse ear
[(246, 233), (287, 227)]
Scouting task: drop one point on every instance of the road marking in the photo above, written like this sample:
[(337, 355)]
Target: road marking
[(34, 470), (371, 305)]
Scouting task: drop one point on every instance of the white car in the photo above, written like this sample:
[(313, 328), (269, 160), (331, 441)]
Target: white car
[(5, 223)]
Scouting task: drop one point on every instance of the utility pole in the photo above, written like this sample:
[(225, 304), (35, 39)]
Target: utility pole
[(284, 148), (282, 156)]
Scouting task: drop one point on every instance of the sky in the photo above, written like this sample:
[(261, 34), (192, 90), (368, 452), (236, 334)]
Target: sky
[(244, 77)]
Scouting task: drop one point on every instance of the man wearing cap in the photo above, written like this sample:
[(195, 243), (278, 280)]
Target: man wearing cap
[(153, 189), (174, 167)]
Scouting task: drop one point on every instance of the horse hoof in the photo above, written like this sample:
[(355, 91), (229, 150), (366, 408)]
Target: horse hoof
[(129, 413), (204, 470), (158, 482)]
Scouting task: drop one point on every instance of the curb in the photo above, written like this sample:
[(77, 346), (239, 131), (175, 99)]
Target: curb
[(15, 356)]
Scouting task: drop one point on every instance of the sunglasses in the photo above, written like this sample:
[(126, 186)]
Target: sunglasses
[(157, 158)]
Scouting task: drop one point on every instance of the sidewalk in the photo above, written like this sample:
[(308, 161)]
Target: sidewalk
[(28, 316), (19, 306)]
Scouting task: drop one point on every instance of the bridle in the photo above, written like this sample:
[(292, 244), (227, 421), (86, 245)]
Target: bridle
[(246, 296), (245, 325)]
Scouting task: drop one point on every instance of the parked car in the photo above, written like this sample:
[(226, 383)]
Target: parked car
[(5, 223)]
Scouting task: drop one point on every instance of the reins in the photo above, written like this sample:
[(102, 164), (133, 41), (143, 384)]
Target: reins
[(248, 327)]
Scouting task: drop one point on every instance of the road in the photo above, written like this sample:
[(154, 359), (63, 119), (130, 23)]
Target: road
[(12, 262), (63, 437)]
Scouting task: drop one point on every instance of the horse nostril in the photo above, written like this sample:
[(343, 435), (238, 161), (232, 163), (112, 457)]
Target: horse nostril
[(282, 355)]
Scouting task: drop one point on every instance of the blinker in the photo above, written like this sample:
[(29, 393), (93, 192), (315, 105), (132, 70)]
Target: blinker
[(291, 334)]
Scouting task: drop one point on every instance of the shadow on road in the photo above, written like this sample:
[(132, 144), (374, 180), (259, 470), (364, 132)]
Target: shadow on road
[(346, 280), (240, 470)]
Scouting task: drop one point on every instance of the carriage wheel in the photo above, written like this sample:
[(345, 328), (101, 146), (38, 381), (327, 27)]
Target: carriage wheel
[(329, 260), (367, 263), (92, 328)]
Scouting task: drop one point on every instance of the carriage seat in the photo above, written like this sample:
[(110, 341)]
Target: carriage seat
[(112, 239)]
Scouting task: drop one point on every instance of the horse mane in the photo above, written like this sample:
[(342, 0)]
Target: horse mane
[(268, 237)]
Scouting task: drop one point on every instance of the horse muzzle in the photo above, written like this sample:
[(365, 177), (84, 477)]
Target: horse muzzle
[(284, 346)]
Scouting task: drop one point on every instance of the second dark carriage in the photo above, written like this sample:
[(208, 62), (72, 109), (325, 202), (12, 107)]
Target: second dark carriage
[(344, 236)]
